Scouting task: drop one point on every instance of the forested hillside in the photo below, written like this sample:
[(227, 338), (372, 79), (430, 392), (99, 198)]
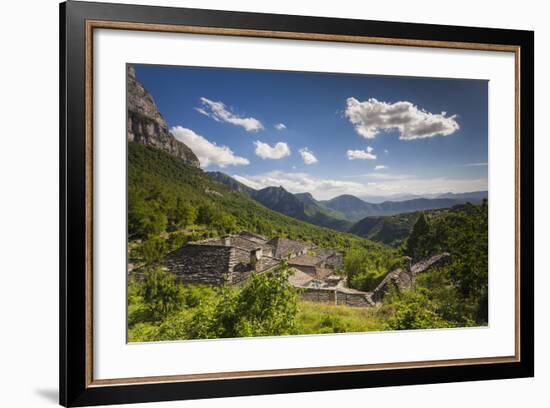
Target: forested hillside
[(300, 206), (172, 203)]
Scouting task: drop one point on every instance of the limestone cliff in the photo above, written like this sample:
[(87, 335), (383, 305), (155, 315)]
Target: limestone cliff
[(147, 126)]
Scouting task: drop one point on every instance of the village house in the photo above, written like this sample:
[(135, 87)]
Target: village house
[(232, 258)]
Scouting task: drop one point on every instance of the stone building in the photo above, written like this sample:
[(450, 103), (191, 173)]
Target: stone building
[(312, 265), (285, 248), (229, 259), (232, 258)]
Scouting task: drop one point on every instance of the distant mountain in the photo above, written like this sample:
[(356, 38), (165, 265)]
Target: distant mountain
[(394, 197), (343, 211), (351, 207), (306, 198), (474, 197), (300, 206), (280, 200), (417, 204), (391, 229), (394, 229), (231, 183), (354, 209)]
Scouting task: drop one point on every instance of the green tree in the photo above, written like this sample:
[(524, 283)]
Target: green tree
[(206, 214), (415, 246), (365, 269), (144, 220), (160, 292), (153, 250), (412, 310), (265, 306), (184, 213)]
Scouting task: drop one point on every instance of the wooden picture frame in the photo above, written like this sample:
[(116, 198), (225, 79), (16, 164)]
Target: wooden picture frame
[(77, 384)]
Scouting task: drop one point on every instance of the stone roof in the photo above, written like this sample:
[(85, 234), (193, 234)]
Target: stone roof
[(284, 246), (323, 273), (241, 240), (425, 264), (253, 237), (326, 252), (201, 263), (267, 263), (305, 260), (299, 278)]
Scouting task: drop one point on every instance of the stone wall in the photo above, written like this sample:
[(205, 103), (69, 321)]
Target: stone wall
[(337, 296), (353, 299), (319, 295)]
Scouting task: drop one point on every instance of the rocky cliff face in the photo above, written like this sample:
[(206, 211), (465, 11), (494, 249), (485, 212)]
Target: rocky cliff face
[(147, 126)]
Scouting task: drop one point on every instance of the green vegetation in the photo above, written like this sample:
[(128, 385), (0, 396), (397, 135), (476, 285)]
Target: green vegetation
[(315, 318), (457, 292), (170, 204), (365, 270), (266, 306)]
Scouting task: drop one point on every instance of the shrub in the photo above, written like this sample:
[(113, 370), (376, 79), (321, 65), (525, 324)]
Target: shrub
[(160, 292)]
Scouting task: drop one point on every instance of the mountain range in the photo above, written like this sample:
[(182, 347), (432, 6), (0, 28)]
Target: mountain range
[(146, 126), (343, 212), (300, 206)]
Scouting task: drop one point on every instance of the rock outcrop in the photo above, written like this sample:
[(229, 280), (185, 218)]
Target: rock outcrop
[(145, 124)]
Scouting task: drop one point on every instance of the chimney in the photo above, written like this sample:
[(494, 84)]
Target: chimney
[(255, 256), (226, 241)]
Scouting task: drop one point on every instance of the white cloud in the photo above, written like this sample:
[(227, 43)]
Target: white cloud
[(380, 167), (296, 182), (307, 156), (371, 184), (474, 164), (219, 112), (372, 116), (265, 151), (280, 126), (361, 154), (208, 152), (386, 151)]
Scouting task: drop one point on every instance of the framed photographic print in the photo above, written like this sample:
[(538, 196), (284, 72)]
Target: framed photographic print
[(256, 203)]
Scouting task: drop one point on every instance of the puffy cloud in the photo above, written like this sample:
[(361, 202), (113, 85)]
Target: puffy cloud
[(280, 126), (208, 152), (380, 167), (371, 184), (307, 156), (361, 154), (372, 116), (219, 112), (265, 151)]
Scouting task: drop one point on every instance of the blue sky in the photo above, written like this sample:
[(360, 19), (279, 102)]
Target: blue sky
[(342, 134)]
